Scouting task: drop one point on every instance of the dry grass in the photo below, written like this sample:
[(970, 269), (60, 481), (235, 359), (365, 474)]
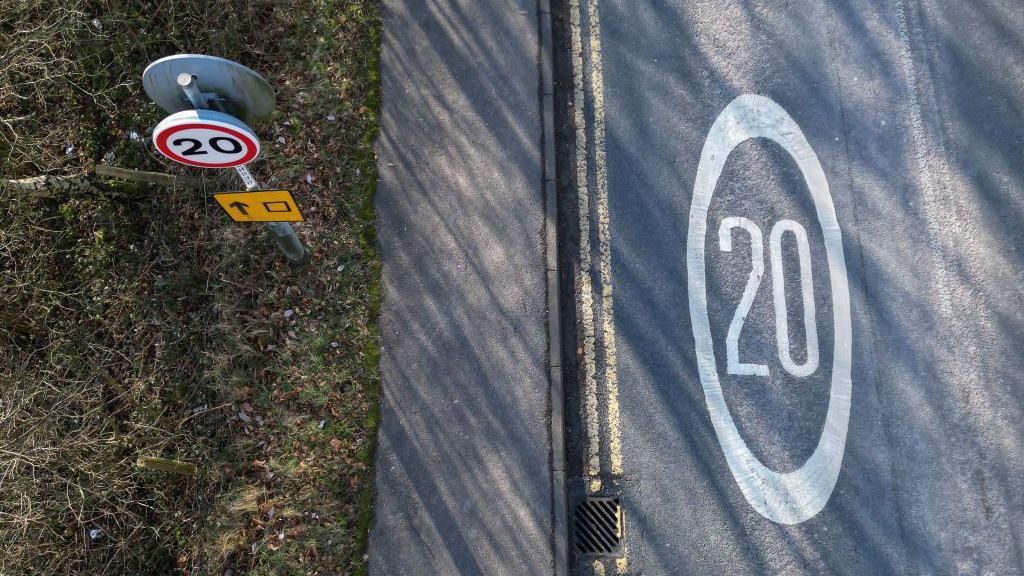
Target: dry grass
[(155, 327)]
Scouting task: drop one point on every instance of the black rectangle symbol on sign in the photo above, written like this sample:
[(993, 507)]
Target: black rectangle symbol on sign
[(277, 207)]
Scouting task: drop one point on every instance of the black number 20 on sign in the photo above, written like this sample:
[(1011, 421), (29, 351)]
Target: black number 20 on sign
[(221, 144), (205, 140)]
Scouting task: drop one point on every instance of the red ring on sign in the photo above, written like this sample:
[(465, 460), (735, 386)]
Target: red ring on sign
[(161, 145)]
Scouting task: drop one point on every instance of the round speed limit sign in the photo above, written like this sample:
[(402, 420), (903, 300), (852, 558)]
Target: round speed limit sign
[(206, 139)]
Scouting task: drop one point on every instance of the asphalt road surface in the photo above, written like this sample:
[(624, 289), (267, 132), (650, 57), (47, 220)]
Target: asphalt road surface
[(800, 283), (463, 462)]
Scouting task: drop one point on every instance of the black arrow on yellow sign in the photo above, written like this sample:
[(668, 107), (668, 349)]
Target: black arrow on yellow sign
[(241, 207)]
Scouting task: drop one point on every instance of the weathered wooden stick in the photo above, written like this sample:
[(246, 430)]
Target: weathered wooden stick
[(165, 465), (87, 185), (49, 186)]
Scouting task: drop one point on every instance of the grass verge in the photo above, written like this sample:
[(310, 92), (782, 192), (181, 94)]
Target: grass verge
[(153, 327)]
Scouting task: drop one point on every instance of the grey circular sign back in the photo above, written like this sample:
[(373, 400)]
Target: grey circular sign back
[(242, 92)]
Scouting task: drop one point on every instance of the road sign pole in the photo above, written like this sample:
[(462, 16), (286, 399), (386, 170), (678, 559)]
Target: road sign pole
[(188, 86), (287, 240)]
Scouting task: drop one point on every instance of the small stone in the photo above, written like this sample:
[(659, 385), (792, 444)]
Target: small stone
[(289, 313), (309, 179), (97, 24)]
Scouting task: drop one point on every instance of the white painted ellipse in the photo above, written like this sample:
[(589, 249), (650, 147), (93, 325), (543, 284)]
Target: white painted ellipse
[(795, 496)]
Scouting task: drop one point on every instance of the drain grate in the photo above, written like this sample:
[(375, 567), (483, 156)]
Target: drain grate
[(598, 525)]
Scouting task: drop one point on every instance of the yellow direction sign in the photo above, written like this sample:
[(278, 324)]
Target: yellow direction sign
[(260, 206)]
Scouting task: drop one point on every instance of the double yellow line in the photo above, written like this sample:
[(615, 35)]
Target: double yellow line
[(586, 53)]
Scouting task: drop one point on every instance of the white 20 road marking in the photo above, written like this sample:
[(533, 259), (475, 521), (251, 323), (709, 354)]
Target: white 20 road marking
[(796, 496), (732, 353)]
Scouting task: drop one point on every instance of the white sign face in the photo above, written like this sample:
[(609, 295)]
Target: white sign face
[(206, 139), (796, 496)]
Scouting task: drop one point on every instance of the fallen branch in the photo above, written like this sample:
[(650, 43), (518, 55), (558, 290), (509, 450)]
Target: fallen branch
[(51, 186), (88, 185), (165, 465)]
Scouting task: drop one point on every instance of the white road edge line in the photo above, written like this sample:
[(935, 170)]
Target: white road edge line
[(924, 170)]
